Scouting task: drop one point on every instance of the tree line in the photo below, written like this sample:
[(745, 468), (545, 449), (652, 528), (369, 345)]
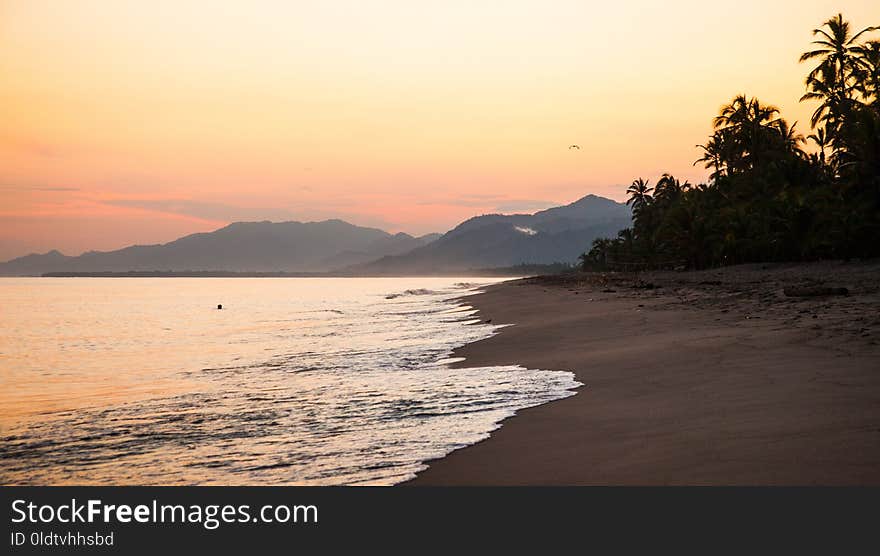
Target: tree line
[(767, 198)]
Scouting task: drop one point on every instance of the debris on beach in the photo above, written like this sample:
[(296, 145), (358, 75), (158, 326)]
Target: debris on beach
[(814, 291)]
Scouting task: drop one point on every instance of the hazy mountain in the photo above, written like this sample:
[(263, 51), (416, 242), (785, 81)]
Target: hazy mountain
[(242, 246), (33, 264), (558, 234)]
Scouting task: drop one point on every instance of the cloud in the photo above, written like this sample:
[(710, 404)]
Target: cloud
[(415, 217), (524, 205), (495, 203), (56, 188), (38, 188), (34, 148), (205, 210), (222, 212)]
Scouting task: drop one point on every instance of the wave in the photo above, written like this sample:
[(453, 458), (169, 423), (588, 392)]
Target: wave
[(420, 291)]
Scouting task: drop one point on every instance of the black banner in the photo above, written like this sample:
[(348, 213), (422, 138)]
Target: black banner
[(232, 520)]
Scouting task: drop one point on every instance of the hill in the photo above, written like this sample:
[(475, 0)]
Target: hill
[(559, 234), (242, 246)]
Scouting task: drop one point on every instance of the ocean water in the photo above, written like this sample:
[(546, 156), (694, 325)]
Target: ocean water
[(296, 381)]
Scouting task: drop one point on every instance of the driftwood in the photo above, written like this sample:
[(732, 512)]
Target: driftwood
[(814, 291), (642, 285)]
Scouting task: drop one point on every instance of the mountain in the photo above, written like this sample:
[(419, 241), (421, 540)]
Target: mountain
[(33, 264), (242, 246), (557, 234)]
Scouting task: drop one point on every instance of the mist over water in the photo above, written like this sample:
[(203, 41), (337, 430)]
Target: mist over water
[(295, 381)]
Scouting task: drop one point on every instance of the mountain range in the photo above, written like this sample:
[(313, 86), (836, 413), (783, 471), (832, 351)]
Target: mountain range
[(558, 234)]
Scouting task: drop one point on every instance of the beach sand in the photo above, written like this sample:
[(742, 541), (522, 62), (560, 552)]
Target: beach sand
[(696, 378)]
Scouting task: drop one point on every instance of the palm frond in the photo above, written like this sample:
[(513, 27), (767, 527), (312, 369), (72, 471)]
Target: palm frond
[(862, 32)]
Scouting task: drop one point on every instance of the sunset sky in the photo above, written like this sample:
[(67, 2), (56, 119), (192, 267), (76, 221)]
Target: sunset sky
[(138, 122)]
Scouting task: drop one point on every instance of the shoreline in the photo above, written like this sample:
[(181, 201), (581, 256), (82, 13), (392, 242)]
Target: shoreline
[(714, 377)]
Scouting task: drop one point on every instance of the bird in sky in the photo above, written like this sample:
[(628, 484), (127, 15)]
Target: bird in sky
[(578, 147)]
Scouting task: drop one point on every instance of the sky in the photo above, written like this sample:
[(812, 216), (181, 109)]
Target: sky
[(133, 122)]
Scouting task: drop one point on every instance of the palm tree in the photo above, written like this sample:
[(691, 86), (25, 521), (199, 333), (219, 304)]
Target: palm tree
[(743, 112), (598, 254), (687, 230), (733, 114), (639, 195), (834, 80), (869, 74), (789, 138), (713, 155), (838, 51), (669, 189), (821, 139), (626, 242), (858, 152), (822, 88), (743, 127)]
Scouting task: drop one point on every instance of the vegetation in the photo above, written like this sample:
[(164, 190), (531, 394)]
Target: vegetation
[(767, 197), (526, 269)]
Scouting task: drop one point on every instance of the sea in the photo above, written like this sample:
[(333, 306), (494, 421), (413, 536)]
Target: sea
[(295, 381)]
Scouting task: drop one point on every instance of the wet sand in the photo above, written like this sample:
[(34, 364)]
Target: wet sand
[(697, 378)]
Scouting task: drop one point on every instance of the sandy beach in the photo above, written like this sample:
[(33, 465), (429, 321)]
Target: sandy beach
[(691, 378)]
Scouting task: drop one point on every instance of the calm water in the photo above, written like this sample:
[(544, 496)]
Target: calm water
[(296, 381)]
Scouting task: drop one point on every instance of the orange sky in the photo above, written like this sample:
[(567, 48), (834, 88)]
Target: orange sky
[(137, 122)]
